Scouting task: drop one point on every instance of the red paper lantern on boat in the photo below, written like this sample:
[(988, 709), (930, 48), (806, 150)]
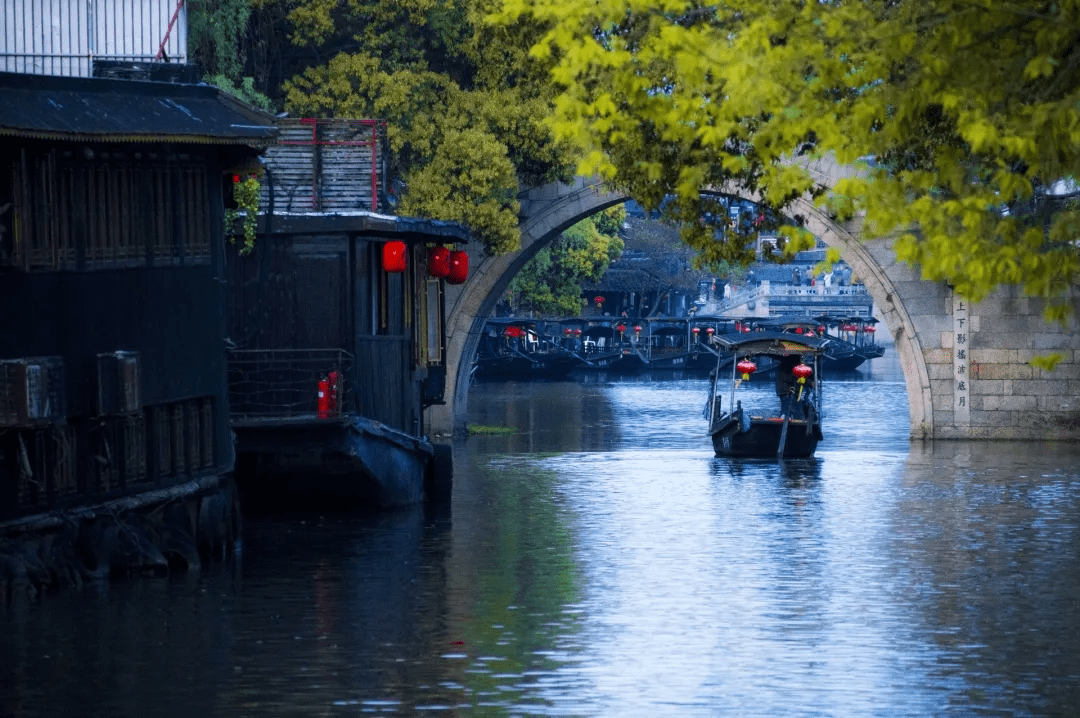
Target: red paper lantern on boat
[(393, 257), (870, 329), (746, 368), (599, 301), (798, 330), (695, 330), (439, 262), (637, 330), (821, 330), (512, 331), (577, 332), (459, 267), (802, 372), (568, 331), (709, 331)]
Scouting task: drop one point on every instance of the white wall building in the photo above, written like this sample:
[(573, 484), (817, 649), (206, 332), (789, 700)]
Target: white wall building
[(67, 37)]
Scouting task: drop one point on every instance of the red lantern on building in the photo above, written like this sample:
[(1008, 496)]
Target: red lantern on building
[(439, 262), (746, 368), (637, 330), (696, 331), (459, 267), (577, 332), (598, 301), (568, 331), (393, 257), (710, 331)]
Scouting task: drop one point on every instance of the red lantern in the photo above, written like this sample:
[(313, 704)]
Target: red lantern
[(710, 331), (821, 330), (746, 368), (802, 372), (598, 300), (459, 267), (746, 330), (393, 257), (871, 329), (695, 330), (439, 262), (798, 330), (637, 330), (513, 332), (568, 331), (621, 328)]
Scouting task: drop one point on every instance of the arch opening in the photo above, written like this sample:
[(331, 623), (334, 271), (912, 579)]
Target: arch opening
[(548, 211)]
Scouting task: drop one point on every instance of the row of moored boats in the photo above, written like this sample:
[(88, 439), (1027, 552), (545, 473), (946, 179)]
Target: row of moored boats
[(515, 348)]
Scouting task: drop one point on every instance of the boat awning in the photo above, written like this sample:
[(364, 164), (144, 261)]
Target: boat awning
[(776, 344), (86, 109)]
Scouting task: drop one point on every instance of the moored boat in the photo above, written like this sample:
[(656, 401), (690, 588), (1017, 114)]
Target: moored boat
[(790, 430), (514, 349)]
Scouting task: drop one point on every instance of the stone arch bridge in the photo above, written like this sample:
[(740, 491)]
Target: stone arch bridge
[(966, 367)]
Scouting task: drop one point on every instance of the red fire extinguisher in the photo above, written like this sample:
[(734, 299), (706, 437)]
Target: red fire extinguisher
[(324, 399), (333, 404)]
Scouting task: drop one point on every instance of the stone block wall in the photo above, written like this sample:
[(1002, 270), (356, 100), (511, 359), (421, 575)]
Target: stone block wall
[(1006, 397)]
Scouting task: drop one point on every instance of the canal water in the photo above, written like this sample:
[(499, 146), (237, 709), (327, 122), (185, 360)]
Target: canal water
[(600, 561)]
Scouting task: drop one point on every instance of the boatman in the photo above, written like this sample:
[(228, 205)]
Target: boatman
[(786, 384)]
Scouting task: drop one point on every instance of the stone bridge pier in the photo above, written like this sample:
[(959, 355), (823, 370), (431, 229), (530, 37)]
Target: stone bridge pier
[(967, 367)]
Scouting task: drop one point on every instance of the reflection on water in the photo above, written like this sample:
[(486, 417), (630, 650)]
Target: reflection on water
[(603, 562)]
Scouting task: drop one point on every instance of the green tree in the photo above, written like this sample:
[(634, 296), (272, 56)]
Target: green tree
[(952, 109), (661, 264), (464, 104), (216, 32), (550, 283)]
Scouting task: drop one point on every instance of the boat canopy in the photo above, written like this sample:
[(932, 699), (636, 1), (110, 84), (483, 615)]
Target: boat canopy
[(770, 343)]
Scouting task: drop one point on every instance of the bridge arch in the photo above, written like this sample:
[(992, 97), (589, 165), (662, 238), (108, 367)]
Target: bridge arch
[(549, 210)]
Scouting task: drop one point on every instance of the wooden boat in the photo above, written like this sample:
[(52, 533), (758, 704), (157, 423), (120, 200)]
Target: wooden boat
[(789, 429), (513, 349)]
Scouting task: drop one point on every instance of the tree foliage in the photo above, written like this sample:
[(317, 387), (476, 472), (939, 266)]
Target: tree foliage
[(464, 104), (550, 283), (216, 31), (655, 261), (951, 110)]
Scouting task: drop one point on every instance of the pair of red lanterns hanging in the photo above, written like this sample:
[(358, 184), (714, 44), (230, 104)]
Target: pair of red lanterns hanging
[(452, 264), (442, 262)]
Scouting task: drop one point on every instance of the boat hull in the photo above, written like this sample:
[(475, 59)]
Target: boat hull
[(348, 459), (536, 366), (762, 439)]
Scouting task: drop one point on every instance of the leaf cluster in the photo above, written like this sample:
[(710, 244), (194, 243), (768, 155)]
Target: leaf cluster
[(950, 110), (465, 105), (551, 282)]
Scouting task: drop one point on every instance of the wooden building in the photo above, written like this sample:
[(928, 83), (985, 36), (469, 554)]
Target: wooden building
[(317, 309), (112, 321)]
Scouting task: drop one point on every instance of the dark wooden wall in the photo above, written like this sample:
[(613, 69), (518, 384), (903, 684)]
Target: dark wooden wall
[(108, 285), (330, 292)]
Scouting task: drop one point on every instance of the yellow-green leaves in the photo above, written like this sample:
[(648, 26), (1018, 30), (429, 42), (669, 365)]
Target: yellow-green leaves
[(968, 111)]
